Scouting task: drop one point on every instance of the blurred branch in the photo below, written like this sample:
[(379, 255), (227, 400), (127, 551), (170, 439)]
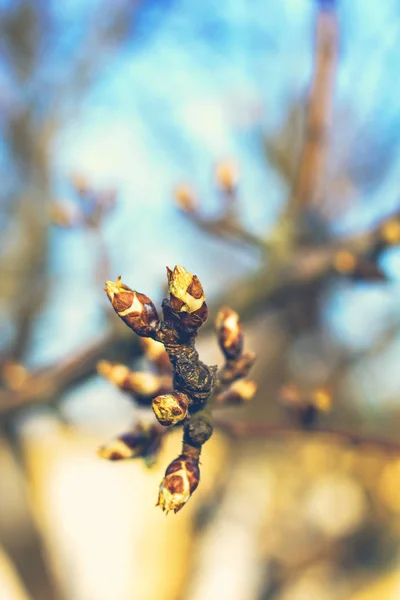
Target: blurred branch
[(44, 385), (249, 297), (284, 278), (227, 227), (18, 530), (228, 230), (266, 430), (309, 183)]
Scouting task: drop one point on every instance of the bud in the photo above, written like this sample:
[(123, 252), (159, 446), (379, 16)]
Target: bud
[(185, 198), (322, 399), (229, 332), (180, 481), (240, 391), (143, 441), (187, 298), (198, 429), (344, 262), (238, 368), (142, 383), (80, 183), (227, 176), (136, 309), (359, 268), (390, 231), (14, 375), (319, 398), (170, 408), (155, 352), (65, 214)]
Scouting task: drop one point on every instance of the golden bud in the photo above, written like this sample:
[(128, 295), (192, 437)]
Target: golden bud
[(185, 198), (14, 375), (181, 479), (136, 309), (155, 352), (229, 332), (227, 175), (322, 399), (187, 298), (114, 372), (344, 262), (390, 231), (319, 398), (240, 391), (143, 384), (143, 441), (170, 408)]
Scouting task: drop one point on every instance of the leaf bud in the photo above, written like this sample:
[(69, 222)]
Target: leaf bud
[(241, 391), (185, 198), (143, 441), (143, 384), (227, 176), (171, 408), (136, 309), (187, 299), (180, 481), (229, 332)]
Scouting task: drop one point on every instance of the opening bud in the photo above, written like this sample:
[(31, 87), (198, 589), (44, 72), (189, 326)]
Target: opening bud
[(180, 481), (229, 333), (171, 408), (187, 297), (136, 309)]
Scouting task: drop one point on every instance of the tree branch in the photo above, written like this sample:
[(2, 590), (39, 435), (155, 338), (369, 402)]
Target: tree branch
[(266, 430)]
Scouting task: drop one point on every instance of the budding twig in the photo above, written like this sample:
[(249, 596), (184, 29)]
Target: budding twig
[(196, 386), (183, 314)]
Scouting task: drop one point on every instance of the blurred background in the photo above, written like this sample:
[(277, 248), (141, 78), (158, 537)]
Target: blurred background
[(256, 144)]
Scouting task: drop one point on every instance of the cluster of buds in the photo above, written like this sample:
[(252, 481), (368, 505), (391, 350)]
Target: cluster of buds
[(305, 405), (192, 387), (90, 209)]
